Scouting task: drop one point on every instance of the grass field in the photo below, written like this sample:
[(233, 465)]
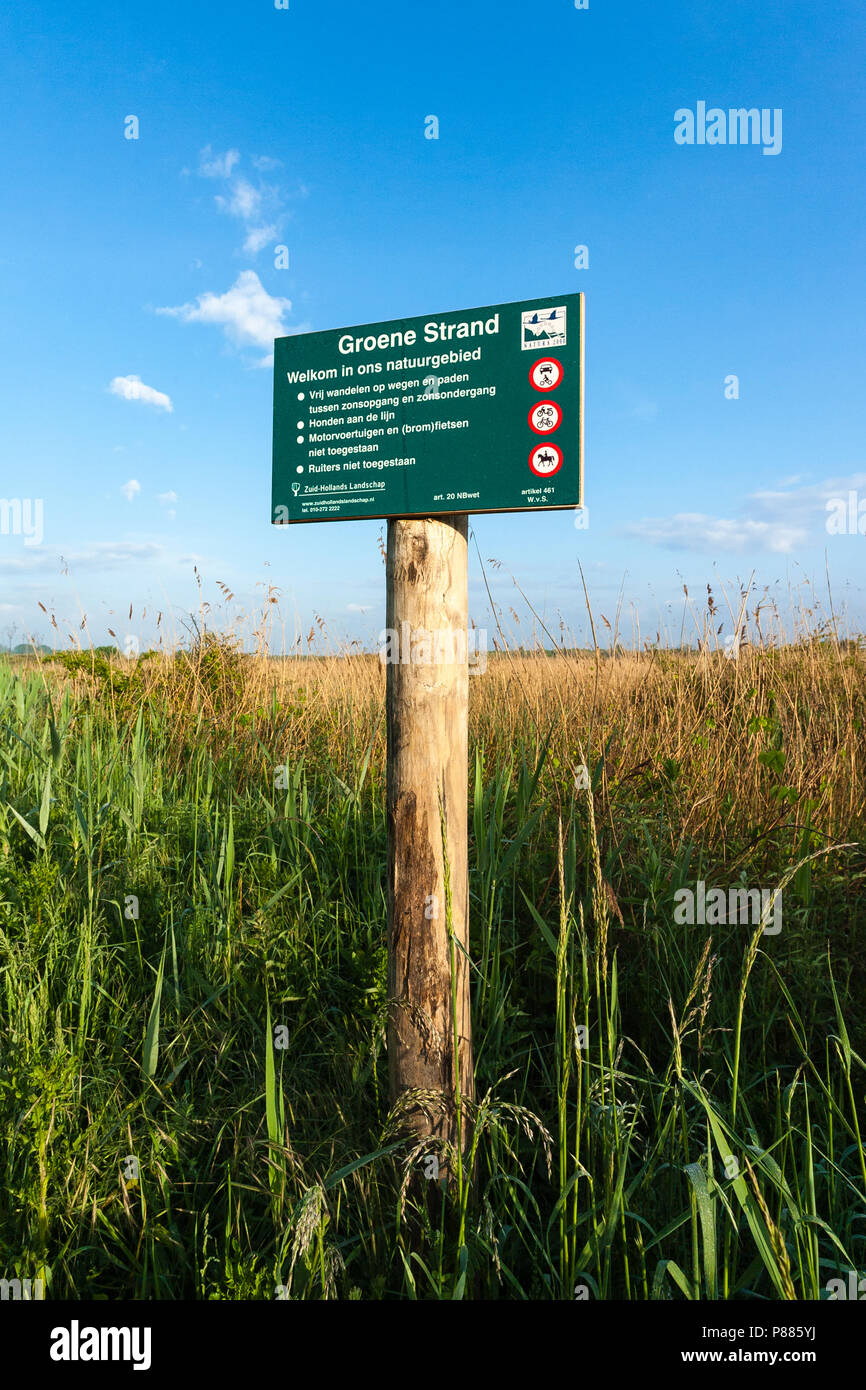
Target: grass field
[(193, 1081)]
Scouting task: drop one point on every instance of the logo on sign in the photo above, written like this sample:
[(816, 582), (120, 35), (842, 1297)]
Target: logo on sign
[(545, 374), (545, 459), (542, 328), (545, 417)]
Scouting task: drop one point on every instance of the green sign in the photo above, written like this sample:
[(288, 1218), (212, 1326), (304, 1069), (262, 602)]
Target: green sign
[(477, 410)]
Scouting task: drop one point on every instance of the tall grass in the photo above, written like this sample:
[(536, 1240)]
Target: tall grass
[(192, 974)]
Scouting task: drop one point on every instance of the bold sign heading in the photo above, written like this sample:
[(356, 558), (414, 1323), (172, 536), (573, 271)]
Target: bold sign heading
[(478, 410)]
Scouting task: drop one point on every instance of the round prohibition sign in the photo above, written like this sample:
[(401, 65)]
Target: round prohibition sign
[(545, 417), (546, 374), (545, 460)]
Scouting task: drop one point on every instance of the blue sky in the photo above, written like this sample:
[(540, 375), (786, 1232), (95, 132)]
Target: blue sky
[(150, 263)]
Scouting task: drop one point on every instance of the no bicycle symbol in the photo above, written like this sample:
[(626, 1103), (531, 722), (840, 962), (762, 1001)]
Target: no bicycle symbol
[(545, 417)]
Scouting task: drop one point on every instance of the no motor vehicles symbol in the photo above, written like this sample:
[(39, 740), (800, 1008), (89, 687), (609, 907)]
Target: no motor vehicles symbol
[(546, 374)]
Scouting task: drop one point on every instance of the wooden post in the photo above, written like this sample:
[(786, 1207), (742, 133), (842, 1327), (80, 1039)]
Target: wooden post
[(429, 1029)]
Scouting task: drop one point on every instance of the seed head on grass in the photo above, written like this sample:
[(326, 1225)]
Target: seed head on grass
[(777, 1240)]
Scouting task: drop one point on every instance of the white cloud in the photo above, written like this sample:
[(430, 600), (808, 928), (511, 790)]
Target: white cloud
[(100, 555), (131, 489), (244, 202), (246, 313), (359, 607), (805, 505), (258, 237), (164, 498), (217, 166), (257, 204), (777, 520), (132, 388), (695, 531)]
